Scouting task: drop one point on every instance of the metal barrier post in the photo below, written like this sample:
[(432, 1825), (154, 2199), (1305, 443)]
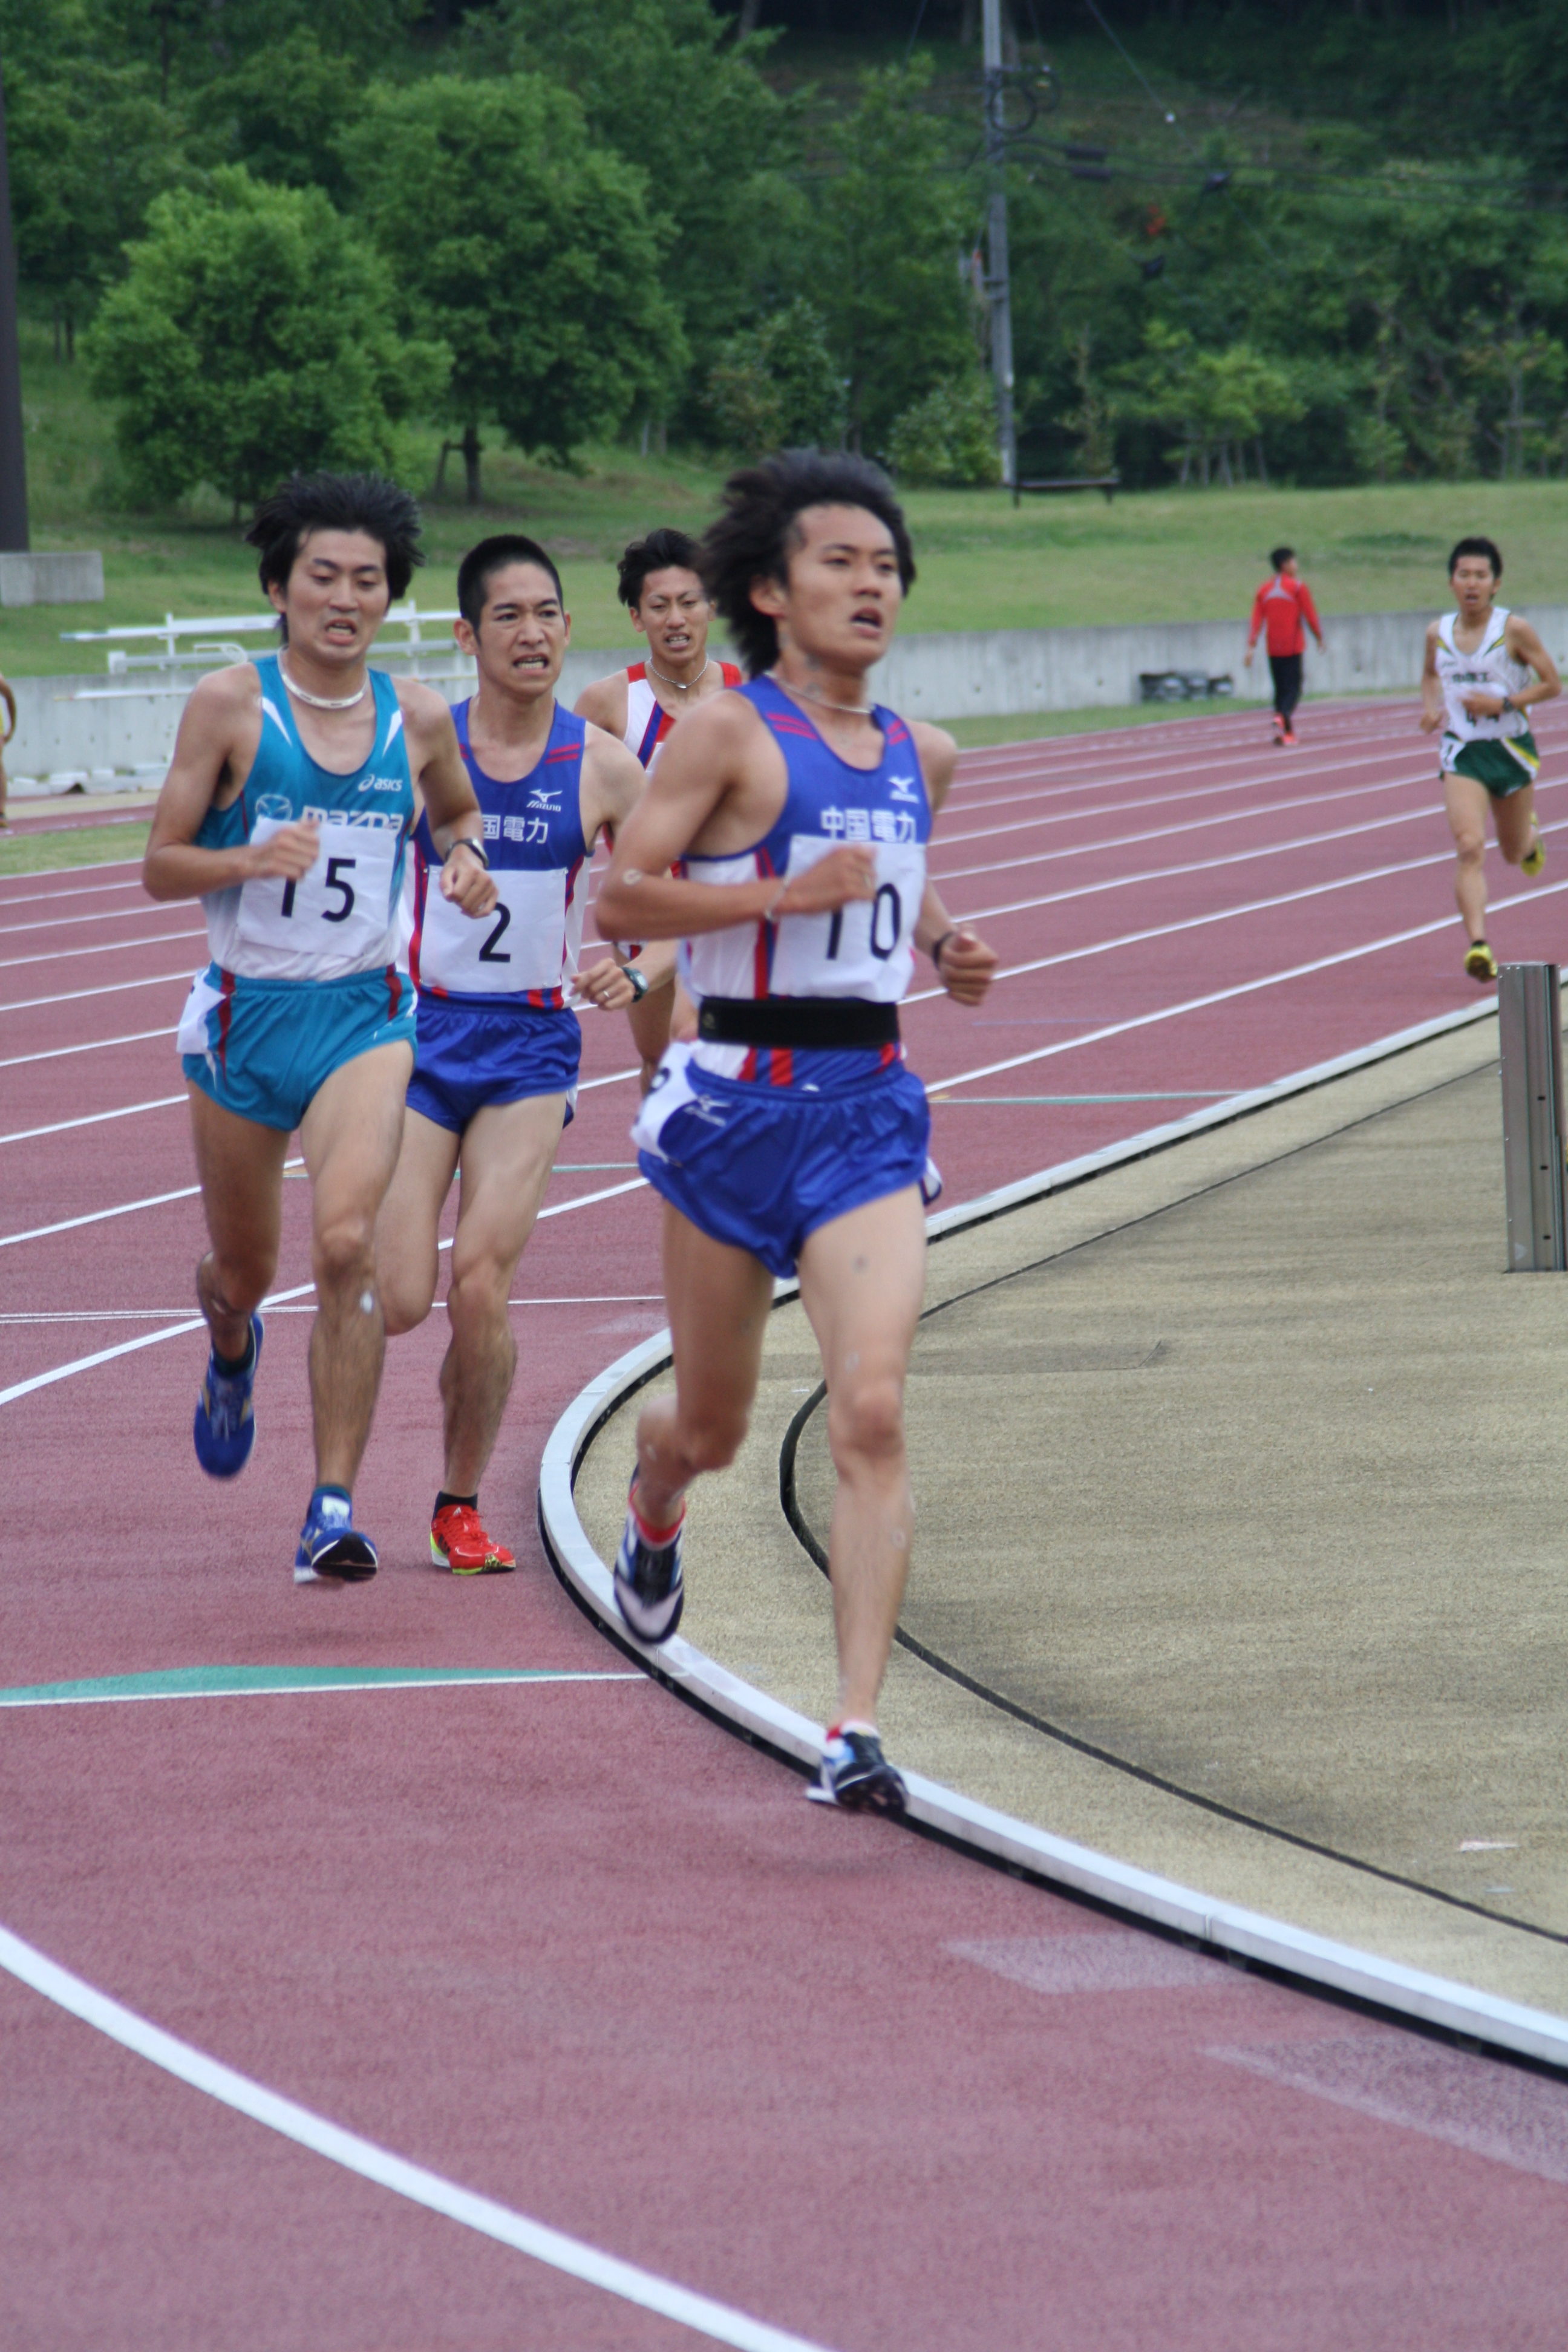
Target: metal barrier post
[(1531, 1022)]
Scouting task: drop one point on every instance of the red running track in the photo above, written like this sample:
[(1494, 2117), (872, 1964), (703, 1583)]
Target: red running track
[(569, 1945)]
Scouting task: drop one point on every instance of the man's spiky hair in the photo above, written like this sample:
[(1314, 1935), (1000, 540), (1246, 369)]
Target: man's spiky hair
[(760, 528), (307, 502)]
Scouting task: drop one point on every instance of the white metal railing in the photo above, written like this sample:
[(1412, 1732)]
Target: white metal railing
[(211, 644)]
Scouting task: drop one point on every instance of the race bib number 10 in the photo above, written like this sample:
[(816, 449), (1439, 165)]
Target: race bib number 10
[(340, 909)]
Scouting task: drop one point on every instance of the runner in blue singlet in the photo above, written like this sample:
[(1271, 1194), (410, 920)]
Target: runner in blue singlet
[(791, 1137), (495, 1076), (295, 785)]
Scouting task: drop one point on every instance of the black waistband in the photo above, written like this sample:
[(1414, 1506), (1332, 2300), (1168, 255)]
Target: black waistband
[(827, 1022)]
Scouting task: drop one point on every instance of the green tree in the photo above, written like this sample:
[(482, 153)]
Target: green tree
[(890, 233), (667, 85), (1217, 400), (90, 145), (527, 246), (776, 386), (253, 334), (950, 437)]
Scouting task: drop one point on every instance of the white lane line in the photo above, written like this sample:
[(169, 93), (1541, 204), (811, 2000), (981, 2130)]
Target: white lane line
[(1218, 996), (102, 915), (1042, 784), (105, 947), (94, 1119), (275, 1298), (627, 2280), (92, 1045), (1059, 852), (28, 1316), (97, 1216), (1079, 815), (53, 872), (1220, 914), (110, 988)]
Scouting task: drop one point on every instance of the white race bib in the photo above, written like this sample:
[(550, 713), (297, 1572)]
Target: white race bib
[(865, 948), (341, 911), (520, 944)]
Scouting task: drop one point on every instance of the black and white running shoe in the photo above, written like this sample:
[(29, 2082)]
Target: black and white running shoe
[(649, 1593), (857, 1775)]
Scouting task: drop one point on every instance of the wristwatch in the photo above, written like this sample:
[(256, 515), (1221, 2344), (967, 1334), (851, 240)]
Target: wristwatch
[(638, 980), (472, 841)]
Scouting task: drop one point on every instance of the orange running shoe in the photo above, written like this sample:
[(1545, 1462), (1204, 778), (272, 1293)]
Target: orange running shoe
[(458, 1541)]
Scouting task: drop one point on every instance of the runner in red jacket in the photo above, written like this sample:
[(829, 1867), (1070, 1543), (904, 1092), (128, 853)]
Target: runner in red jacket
[(1283, 605)]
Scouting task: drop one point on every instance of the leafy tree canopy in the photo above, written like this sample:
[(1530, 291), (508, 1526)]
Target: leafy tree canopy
[(253, 334), (530, 246)]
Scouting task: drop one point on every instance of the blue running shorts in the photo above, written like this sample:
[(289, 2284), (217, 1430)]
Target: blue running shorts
[(261, 1048), (471, 1055), (762, 1167)]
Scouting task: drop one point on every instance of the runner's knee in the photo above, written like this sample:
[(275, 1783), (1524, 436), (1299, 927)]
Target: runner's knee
[(866, 1420), (342, 1250), (712, 1441), (1471, 845)]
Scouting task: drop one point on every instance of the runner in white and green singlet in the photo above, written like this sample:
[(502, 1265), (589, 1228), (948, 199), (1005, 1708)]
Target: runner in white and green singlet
[(1485, 666)]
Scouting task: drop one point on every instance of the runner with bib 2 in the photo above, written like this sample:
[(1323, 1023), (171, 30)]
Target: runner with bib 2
[(495, 1077)]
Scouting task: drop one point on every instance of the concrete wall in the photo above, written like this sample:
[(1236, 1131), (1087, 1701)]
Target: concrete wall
[(51, 579), (95, 727)]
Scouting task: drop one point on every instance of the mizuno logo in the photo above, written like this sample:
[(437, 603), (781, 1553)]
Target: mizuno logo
[(549, 801), (902, 788)]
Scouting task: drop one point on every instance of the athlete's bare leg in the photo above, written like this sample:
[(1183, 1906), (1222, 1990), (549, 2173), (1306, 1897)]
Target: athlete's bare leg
[(648, 1020), (351, 1133), (1465, 801), (1514, 817), (509, 1150), (240, 1165), (719, 1299), (862, 1278), (408, 1262)]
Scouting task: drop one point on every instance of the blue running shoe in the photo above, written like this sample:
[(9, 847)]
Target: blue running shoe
[(649, 1593), (331, 1548), (225, 1425), (857, 1775)]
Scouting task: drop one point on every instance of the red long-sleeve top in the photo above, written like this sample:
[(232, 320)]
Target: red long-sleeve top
[(1284, 607)]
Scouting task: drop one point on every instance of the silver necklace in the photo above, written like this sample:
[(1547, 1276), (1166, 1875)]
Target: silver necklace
[(682, 685), (323, 701), (850, 710)]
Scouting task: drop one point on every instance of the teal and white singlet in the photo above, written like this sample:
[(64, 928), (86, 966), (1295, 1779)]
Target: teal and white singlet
[(304, 975)]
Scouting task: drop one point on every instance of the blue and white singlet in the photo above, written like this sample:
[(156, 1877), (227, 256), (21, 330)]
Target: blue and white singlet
[(344, 917), (526, 951), (866, 949)]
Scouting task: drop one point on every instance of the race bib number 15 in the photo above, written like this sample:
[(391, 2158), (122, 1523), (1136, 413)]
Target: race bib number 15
[(340, 909)]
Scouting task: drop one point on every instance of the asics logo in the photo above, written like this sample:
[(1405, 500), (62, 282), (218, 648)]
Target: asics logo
[(380, 784), (902, 788)]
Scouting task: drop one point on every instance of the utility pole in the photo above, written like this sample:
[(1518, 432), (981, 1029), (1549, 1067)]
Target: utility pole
[(997, 285), (12, 454)]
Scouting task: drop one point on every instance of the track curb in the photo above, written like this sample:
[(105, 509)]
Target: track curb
[(1226, 1928)]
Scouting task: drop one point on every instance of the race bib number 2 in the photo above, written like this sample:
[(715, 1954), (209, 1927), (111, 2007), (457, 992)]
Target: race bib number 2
[(340, 909)]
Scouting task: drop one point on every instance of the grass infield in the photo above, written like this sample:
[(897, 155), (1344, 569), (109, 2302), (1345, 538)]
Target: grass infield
[(1155, 555)]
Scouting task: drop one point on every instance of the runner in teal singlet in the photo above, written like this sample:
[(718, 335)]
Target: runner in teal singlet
[(294, 787)]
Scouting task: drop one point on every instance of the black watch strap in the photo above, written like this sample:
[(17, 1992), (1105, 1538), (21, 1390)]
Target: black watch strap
[(472, 841)]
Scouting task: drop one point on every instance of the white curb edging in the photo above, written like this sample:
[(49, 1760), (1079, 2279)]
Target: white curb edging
[(1226, 1926)]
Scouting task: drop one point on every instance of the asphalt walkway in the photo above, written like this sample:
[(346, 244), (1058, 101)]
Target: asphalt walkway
[(1240, 1511)]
